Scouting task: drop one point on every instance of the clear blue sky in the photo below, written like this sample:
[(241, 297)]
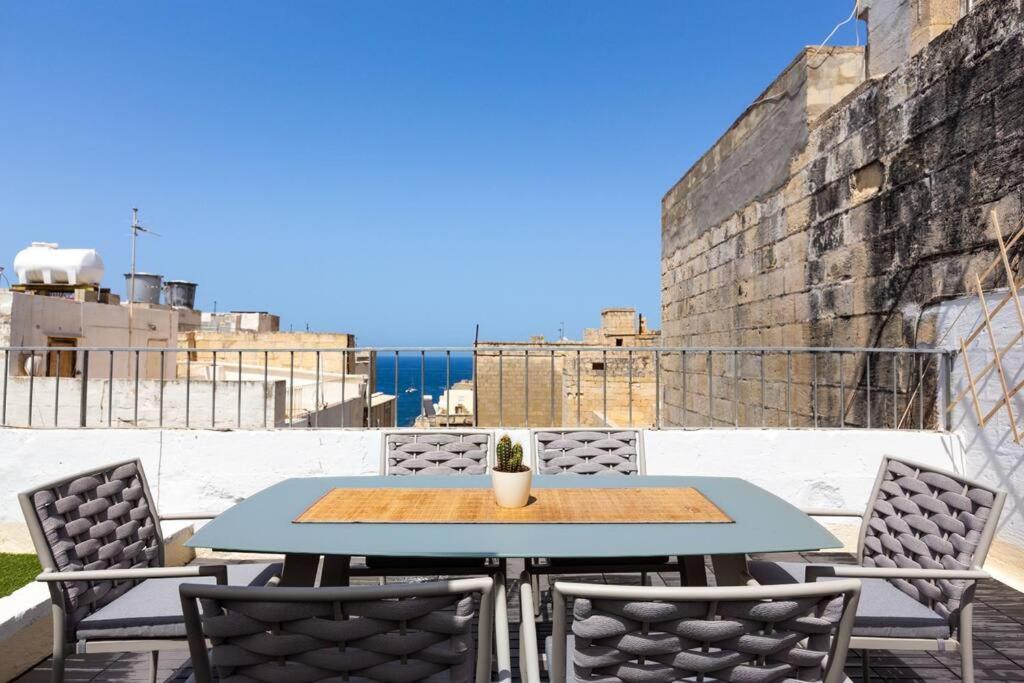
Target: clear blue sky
[(398, 170)]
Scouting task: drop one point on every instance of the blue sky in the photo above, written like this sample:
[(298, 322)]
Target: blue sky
[(402, 171)]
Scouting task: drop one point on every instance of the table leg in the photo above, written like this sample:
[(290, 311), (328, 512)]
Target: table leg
[(692, 571), (299, 570), (335, 570), (730, 570)]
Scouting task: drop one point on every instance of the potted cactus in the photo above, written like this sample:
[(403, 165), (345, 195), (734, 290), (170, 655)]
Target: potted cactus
[(511, 479)]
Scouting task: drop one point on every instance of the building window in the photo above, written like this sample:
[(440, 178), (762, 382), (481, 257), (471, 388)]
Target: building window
[(597, 366), (618, 341), (61, 364)]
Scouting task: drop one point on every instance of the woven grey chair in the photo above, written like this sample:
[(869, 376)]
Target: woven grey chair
[(923, 541), (432, 453), (592, 452), (642, 633), (395, 633), (98, 538)]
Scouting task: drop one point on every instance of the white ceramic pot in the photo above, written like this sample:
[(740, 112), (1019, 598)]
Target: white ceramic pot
[(512, 489)]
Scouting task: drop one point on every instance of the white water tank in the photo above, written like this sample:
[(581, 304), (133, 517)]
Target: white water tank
[(46, 263)]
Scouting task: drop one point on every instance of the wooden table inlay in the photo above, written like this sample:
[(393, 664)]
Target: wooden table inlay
[(547, 506)]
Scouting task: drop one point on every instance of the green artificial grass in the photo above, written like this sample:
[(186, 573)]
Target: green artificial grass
[(17, 570)]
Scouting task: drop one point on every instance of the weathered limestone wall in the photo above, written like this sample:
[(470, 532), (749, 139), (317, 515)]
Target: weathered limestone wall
[(879, 209), (502, 386), (899, 29)]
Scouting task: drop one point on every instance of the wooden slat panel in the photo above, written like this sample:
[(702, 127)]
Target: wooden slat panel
[(551, 506)]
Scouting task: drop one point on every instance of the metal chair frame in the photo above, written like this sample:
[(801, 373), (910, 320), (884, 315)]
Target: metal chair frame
[(964, 630), (52, 577), (529, 659), (536, 566), (492, 615)]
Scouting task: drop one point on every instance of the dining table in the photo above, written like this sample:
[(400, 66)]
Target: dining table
[(269, 522)]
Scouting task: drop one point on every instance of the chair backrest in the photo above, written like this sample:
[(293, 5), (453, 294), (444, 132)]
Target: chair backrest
[(760, 633), (920, 517), (588, 451), (98, 519), (436, 453), (394, 632)]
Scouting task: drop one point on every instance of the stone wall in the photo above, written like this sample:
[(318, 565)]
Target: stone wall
[(504, 391), (858, 217)]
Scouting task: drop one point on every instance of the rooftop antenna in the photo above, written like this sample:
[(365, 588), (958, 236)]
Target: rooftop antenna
[(561, 330), (136, 229)]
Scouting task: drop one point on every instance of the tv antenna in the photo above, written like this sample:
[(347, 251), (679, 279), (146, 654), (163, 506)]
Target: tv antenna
[(136, 229)]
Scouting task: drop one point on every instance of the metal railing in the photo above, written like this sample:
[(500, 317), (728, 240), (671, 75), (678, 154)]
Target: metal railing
[(512, 386)]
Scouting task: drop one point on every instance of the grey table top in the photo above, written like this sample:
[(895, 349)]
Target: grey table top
[(762, 522)]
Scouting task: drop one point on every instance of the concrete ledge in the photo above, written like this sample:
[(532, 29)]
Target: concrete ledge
[(26, 625), (25, 629)]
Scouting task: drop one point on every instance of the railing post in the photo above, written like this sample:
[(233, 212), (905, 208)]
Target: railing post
[(946, 360), (604, 387), (711, 391), (7, 370), (110, 393), (501, 389), (213, 396), (163, 364), (239, 407), (476, 394), (526, 385), (629, 381), (657, 389), (83, 397), (56, 393), (395, 409), (551, 397), (683, 370)]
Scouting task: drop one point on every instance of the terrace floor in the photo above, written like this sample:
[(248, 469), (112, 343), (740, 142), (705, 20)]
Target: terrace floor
[(999, 642)]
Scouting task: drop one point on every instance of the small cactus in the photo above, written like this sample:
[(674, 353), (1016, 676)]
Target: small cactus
[(516, 462), (510, 456), (504, 452)]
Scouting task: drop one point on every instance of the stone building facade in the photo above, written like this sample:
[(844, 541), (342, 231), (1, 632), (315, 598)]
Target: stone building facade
[(841, 208), (608, 379)]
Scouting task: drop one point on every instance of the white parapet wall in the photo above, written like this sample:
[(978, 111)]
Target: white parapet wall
[(211, 470)]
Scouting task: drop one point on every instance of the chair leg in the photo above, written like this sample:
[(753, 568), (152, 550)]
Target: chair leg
[(154, 661), (865, 666), (643, 578), (59, 643), (57, 670), (535, 580), (967, 642)]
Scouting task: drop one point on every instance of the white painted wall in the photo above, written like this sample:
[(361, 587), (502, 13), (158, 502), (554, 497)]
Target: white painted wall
[(210, 470), (991, 454), (200, 393), (825, 468)]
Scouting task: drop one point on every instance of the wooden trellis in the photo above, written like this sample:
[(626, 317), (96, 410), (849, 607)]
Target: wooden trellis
[(985, 327)]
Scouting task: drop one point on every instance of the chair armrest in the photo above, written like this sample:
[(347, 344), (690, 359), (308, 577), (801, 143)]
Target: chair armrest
[(814, 572), (216, 570), (529, 667), (827, 512), (177, 516)]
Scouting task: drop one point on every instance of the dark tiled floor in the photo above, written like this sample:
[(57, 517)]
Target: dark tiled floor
[(999, 643)]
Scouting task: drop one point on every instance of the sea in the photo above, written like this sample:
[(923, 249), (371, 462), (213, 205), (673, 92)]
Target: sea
[(409, 372)]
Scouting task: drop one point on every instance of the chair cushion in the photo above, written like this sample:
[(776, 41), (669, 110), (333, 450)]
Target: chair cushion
[(638, 562), (421, 562), (884, 611), (152, 609)]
